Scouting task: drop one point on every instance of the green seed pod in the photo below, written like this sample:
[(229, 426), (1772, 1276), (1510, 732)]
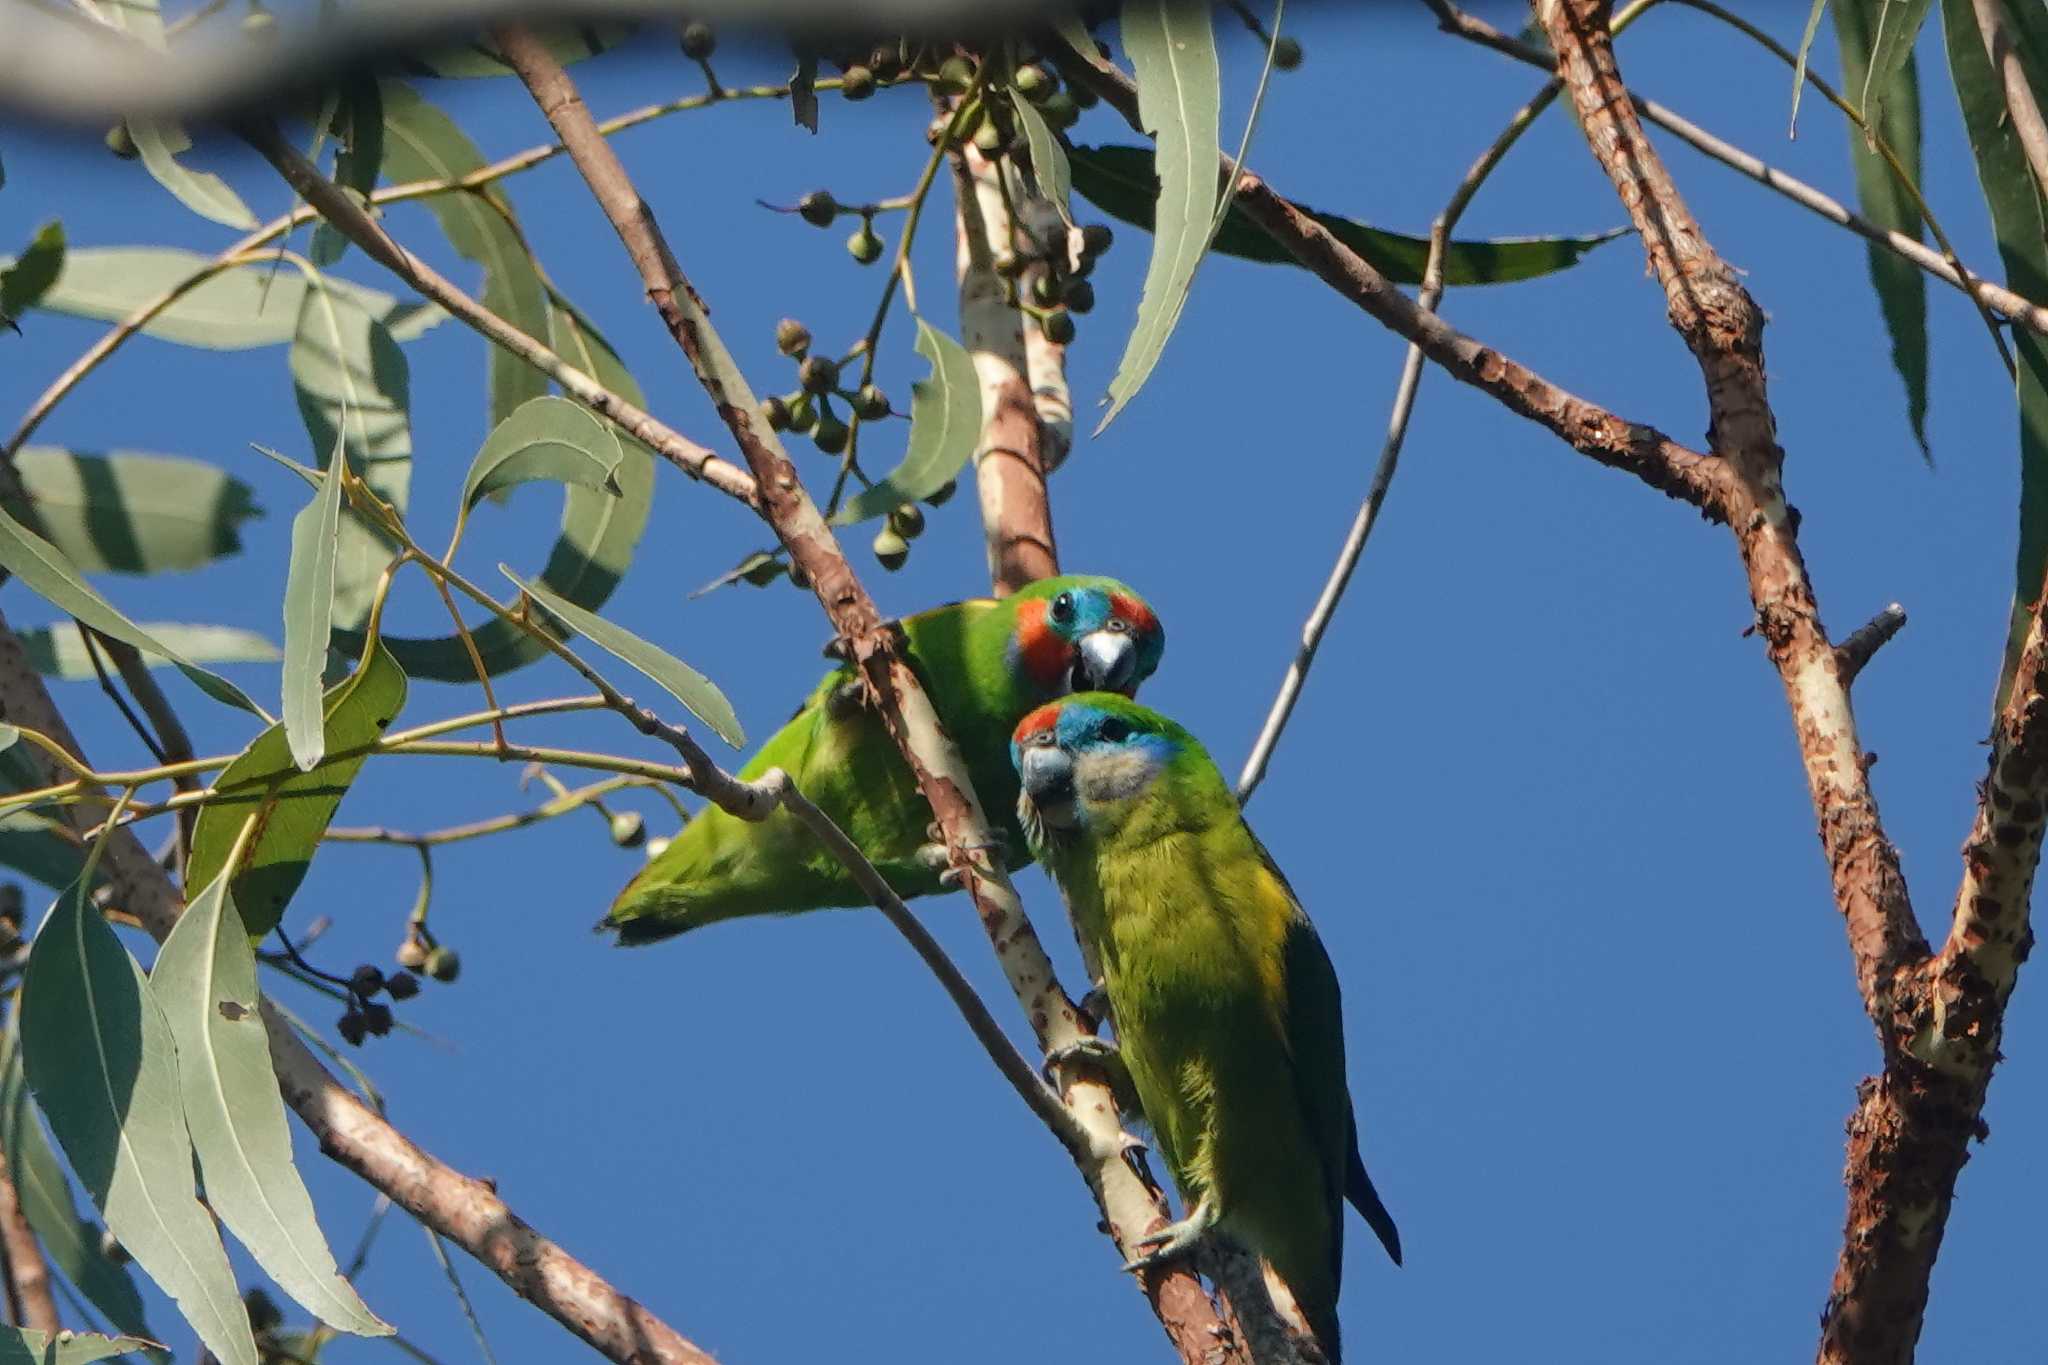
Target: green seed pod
[(1058, 327), (858, 84), (907, 521), (699, 42), (864, 246), (120, 144), (831, 435), (775, 413), (350, 1027), (1033, 83), (792, 338), (1061, 111), (1080, 296), (444, 964), (1007, 264), (886, 62), (818, 374), (1046, 291), (1095, 239), (988, 136), (629, 830), (1286, 54), (891, 549), (376, 1018), (411, 954), (871, 403), (367, 980), (803, 414), (402, 985), (956, 74), (818, 208), (939, 496)]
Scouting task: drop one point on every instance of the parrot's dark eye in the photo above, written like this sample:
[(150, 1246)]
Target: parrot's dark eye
[(1063, 608), (1115, 731)]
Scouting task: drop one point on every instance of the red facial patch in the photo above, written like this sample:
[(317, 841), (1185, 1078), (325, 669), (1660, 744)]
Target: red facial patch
[(1129, 608), (1038, 722), (1044, 655)]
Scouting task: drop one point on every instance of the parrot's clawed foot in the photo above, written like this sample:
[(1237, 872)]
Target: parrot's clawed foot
[(936, 855), (1099, 1051), (1175, 1239), (1095, 1004)]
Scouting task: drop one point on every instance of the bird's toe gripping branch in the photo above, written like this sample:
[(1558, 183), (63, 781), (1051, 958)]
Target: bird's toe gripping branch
[(1175, 1239)]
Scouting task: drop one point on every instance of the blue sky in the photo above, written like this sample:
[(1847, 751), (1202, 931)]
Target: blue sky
[(1541, 796)]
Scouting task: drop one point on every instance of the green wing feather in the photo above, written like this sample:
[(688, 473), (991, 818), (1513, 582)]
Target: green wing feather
[(841, 755)]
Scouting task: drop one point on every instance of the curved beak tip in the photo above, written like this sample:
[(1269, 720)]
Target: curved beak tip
[(1108, 661)]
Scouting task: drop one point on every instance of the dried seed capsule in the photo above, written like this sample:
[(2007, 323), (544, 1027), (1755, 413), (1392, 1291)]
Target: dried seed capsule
[(818, 208), (699, 42)]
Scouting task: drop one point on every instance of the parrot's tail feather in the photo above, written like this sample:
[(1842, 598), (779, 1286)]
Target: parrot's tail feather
[(1358, 1188)]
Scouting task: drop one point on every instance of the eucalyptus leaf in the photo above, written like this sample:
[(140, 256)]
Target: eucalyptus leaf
[(46, 572), (422, 143), (26, 1346), (309, 616), (203, 192), (2017, 220), (205, 979), (358, 123), (104, 1070), (130, 511), (1901, 287), (237, 309), (1895, 29), (32, 842), (58, 651), (354, 392), (547, 439), (599, 532), (296, 806), (71, 1243), (1120, 181), (1172, 47), (1799, 63), (1050, 175), (33, 272), (945, 428), (677, 678)]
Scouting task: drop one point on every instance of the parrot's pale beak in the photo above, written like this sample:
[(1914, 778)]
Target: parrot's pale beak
[(1048, 775), (1106, 661)]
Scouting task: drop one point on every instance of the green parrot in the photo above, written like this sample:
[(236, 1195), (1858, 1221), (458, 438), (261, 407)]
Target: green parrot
[(1226, 1006), (984, 663)]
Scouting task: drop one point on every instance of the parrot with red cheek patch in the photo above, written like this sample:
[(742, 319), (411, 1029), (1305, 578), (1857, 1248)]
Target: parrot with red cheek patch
[(1228, 1019), (983, 663)]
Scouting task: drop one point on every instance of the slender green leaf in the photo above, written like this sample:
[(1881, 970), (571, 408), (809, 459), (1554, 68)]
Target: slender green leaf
[(2017, 218), (598, 535), (1896, 28), (677, 678), (354, 393), (548, 439), (203, 192), (33, 272), (1172, 47), (130, 511), (71, 1243), (59, 651), (104, 1070), (358, 123), (1806, 47), (1120, 181), (205, 978), (309, 616), (239, 308), (1050, 175), (26, 1346), (945, 426), (47, 573), (296, 806), (1901, 287), (422, 143)]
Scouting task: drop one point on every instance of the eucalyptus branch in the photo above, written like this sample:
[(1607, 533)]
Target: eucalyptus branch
[(1096, 1141), (354, 222), (2020, 310), (568, 801)]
